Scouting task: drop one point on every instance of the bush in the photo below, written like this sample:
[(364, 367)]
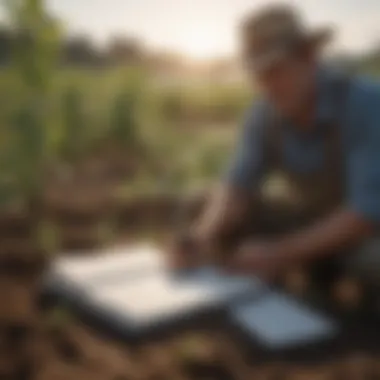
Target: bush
[(124, 119), (74, 127)]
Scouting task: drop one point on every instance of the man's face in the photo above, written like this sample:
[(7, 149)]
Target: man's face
[(287, 84)]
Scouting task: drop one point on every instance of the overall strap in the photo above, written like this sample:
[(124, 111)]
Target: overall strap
[(341, 88), (335, 156), (273, 144)]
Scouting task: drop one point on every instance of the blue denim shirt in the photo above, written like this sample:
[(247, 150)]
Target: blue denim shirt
[(360, 138)]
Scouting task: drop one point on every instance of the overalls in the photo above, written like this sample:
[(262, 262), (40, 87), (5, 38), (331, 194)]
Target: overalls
[(306, 197)]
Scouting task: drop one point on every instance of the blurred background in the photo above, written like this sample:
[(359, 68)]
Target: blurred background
[(138, 97), (115, 115)]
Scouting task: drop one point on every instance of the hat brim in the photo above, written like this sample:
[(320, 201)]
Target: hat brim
[(320, 37), (316, 39)]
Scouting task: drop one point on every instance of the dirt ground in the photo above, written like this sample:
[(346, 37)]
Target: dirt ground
[(78, 353), (48, 344), (35, 344)]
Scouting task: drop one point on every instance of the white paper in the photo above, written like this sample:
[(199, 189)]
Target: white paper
[(279, 322), (133, 284), (147, 300), (162, 296), (119, 260)]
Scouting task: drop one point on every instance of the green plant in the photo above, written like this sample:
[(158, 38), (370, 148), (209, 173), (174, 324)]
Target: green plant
[(211, 161), (74, 127), (29, 144), (125, 111), (36, 45), (124, 123), (35, 50), (172, 104)]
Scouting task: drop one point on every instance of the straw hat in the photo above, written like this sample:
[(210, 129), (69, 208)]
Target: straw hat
[(272, 33)]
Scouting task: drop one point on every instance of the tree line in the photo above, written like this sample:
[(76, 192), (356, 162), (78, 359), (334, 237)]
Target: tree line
[(81, 51)]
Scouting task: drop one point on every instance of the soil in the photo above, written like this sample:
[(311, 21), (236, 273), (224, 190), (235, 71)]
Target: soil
[(35, 346), (77, 352)]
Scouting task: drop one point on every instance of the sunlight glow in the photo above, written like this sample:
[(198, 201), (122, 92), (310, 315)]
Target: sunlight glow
[(198, 46)]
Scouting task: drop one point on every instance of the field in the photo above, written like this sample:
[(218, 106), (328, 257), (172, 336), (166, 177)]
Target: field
[(92, 156), (189, 129), (99, 157)]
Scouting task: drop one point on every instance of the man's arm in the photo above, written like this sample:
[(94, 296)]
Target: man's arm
[(342, 229), (205, 242), (225, 211), (229, 204), (360, 216)]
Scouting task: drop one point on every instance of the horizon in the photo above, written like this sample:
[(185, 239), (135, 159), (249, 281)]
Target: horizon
[(207, 31)]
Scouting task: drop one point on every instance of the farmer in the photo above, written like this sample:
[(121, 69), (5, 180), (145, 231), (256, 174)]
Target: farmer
[(303, 187)]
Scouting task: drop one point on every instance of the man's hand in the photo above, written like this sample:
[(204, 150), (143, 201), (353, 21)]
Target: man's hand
[(261, 258), (184, 253), (225, 211)]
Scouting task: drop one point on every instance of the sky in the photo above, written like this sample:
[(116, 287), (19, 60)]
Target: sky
[(207, 28)]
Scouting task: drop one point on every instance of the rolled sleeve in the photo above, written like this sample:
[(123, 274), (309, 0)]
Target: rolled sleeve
[(245, 168), (364, 165)]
